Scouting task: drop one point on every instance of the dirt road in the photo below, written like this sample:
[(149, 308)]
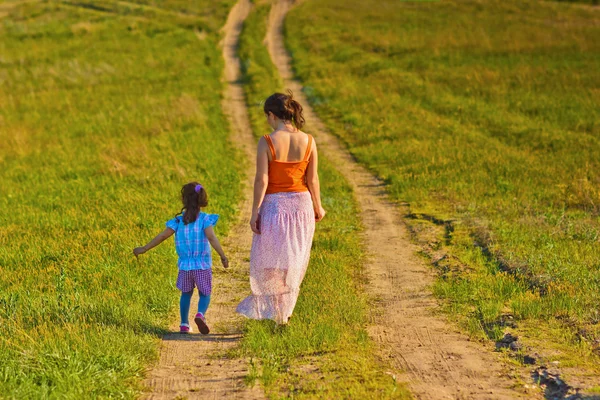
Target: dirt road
[(438, 362)]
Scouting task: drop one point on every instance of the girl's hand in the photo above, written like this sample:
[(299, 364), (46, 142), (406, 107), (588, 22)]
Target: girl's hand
[(138, 250), (320, 214), (255, 223), (225, 262)]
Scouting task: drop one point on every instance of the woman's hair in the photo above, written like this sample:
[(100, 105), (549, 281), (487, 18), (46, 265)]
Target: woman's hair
[(284, 107), (193, 196)]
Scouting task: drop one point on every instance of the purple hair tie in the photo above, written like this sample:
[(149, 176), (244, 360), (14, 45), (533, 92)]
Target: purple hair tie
[(198, 188)]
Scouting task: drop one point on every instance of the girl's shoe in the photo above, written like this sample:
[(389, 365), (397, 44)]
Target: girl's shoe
[(201, 322), (185, 328)]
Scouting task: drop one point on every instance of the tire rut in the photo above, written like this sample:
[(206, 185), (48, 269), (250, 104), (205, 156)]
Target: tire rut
[(197, 366), (439, 363)]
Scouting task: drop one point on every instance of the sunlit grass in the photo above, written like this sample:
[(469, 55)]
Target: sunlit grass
[(484, 115), (106, 109)]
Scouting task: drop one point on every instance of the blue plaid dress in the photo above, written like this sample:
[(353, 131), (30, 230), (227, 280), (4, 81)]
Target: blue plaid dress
[(191, 243)]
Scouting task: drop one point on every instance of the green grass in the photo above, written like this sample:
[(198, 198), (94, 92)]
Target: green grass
[(106, 109), (325, 352), (485, 118)]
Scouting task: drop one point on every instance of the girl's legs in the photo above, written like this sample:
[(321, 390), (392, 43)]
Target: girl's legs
[(203, 304), (184, 306)]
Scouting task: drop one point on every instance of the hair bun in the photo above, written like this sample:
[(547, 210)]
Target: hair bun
[(284, 107)]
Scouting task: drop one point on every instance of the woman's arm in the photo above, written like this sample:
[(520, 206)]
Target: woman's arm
[(261, 180), (312, 181), (161, 237), (214, 242)]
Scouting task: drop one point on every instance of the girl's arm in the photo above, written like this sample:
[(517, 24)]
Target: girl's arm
[(261, 181), (161, 237), (214, 242), (312, 181)]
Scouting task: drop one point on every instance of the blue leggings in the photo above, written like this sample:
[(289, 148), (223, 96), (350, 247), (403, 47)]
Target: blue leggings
[(184, 305)]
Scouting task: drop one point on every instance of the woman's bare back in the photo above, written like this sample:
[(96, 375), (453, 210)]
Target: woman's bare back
[(289, 146)]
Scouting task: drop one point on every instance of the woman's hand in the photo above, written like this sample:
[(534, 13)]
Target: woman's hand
[(255, 223), (320, 214), (139, 250)]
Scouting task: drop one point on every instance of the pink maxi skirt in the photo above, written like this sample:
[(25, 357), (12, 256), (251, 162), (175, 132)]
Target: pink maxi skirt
[(279, 256)]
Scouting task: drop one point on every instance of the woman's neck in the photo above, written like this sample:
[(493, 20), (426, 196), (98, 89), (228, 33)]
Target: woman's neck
[(285, 126)]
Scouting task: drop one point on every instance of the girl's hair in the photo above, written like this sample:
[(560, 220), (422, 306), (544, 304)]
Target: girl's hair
[(284, 107), (193, 196)]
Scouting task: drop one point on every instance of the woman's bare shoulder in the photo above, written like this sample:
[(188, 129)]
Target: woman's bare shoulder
[(262, 144), (304, 135), (314, 141)]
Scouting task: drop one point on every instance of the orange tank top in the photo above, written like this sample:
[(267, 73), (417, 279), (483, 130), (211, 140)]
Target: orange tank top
[(287, 176)]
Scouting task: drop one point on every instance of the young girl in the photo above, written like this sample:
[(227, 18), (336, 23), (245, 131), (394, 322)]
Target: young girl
[(193, 231)]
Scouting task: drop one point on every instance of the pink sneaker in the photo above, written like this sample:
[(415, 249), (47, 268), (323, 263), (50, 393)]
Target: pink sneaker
[(185, 328), (201, 322)]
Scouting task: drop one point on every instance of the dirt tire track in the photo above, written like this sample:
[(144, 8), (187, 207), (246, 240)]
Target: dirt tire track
[(196, 366), (439, 362)]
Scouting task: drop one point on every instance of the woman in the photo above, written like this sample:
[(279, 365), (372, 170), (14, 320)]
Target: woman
[(287, 202)]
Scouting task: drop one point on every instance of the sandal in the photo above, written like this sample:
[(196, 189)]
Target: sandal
[(185, 328)]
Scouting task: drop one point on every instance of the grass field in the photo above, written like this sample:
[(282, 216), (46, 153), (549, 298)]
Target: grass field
[(106, 109), (325, 351), (484, 118)]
